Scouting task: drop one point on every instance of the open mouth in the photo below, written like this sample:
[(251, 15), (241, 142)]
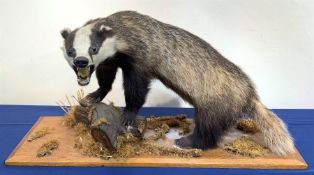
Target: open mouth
[(83, 74)]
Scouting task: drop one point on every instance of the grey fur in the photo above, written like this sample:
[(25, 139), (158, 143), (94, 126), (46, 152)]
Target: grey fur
[(218, 89)]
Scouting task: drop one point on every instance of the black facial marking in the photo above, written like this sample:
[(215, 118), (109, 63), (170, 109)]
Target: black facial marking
[(97, 38), (93, 50), (75, 69), (68, 44), (71, 52)]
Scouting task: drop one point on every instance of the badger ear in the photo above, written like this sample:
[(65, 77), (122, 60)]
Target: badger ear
[(103, 28), (65, 33)]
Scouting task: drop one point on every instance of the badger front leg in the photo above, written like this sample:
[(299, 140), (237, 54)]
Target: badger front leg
[(105, 73), (136, 87)]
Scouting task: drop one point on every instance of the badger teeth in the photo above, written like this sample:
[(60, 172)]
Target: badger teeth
[(83, 72)]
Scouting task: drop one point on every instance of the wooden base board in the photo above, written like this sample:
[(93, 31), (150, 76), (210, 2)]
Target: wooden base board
[(25, 155)]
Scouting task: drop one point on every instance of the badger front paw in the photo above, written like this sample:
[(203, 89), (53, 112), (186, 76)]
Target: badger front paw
[(89, 100), (128, 120)]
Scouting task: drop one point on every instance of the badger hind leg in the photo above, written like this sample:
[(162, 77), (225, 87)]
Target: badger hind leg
[(210, 126)]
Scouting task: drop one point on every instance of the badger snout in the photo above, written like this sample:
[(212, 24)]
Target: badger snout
[(83, 70), (80, 62)]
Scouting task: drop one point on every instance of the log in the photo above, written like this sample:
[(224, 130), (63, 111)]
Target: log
[(106, 125), (103, 121)]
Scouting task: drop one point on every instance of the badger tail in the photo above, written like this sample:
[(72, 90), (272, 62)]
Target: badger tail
[(273, 129)]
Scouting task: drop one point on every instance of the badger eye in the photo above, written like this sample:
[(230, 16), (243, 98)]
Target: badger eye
[(93, 50), (71, 52)]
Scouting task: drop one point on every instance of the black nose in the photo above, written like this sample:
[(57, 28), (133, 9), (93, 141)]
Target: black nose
[(80, 62)]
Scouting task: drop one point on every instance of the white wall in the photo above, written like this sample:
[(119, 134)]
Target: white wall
[(272, 41)]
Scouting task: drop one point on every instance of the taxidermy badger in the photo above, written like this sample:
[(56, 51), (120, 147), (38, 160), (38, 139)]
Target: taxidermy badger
[(145, 49)]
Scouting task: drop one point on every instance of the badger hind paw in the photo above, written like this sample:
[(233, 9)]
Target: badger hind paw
[(185, 142)]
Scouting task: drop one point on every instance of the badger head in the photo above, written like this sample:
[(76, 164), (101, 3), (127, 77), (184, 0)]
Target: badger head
[(86, 47)]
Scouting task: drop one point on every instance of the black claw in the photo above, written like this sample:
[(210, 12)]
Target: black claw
[(128, 120), (128, 123), (131, 123)]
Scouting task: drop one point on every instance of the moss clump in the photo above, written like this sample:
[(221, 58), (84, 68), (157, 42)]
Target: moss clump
[(152, 148), (160, 132), (47, 148), (248, 126), (40, 133), (69, 119), (84, 142), (179, 121), (246, 147), (86, 145), (141, 125), (130, 146), (127, 144), (161, 125)]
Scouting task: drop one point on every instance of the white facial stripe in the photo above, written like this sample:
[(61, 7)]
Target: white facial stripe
[(107, 49), (82, 41)]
